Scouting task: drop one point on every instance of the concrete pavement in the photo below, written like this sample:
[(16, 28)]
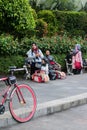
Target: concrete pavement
[(71, 119), (55, 96)]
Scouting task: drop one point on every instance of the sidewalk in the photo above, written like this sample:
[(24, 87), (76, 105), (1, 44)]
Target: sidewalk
[(55, 96)]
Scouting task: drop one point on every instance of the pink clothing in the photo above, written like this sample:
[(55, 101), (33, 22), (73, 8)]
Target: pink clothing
[(77, 57)]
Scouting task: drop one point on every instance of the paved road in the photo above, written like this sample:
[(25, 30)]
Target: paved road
[(57, 89), (72, 119), (54, 90)]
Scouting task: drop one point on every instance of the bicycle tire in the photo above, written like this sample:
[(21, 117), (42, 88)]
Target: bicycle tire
[(23, 112)]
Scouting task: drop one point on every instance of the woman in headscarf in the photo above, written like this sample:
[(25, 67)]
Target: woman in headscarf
[(77, 62)]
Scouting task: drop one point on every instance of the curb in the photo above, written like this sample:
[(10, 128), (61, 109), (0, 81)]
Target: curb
[(48, 108)]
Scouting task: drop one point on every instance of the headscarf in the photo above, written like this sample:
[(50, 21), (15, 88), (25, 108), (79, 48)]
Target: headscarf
[(35, 50), (77, 47)]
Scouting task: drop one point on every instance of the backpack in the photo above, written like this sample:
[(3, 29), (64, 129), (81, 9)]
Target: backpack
[(40, 76), (60, 74)]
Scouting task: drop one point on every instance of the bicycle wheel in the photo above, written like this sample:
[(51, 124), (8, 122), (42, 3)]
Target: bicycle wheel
[(22, 110)]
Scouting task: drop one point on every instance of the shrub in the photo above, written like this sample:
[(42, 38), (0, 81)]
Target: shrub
[(41, 28), (49, 17), (6, 62), (73, 22), (8, 46), (58, 46), (16, 17), (25, 45)]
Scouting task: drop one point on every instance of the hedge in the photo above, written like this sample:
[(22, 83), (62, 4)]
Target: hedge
[(13, 52), (59, 22), (6, 62), (75, 23), (56, 44), (50, 19)]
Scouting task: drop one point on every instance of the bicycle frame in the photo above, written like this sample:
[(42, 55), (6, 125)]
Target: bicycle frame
[(18, 92), (5, 92), (18, 97), (8, 89)]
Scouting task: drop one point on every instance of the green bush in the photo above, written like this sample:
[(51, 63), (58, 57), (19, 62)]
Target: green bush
[(41, 28), (17, 17), (13, 53), (6, 62), (8, 46), (25, 45), (73, 22), (56, 44), (60, 58), (49, 17)]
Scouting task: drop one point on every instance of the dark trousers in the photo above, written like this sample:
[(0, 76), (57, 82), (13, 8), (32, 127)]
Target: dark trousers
[(76, 71), (33, 69)]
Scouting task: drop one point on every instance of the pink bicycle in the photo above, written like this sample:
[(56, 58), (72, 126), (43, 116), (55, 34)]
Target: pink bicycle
[(21, 99)]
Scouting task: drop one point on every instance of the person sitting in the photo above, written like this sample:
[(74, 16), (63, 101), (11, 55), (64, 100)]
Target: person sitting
[(51, 61), (44, 66), (36, 55), (53, 65)]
